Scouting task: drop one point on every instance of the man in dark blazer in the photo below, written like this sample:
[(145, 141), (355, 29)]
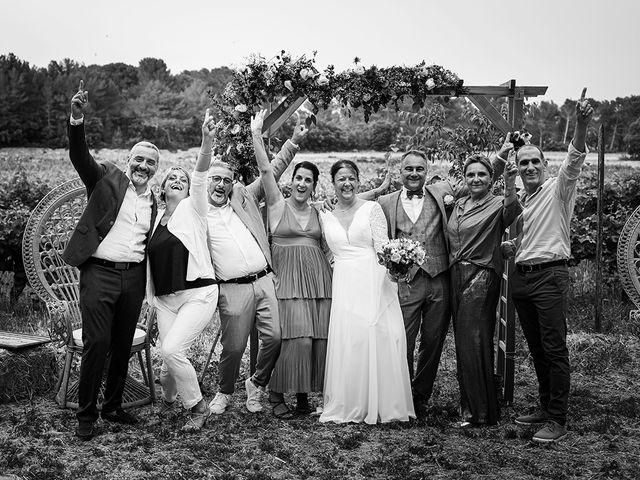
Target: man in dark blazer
[(418, 212), (108, 246)]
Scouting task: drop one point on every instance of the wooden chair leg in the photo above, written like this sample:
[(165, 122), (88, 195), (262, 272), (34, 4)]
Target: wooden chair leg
[(61, 396), (150, 381)]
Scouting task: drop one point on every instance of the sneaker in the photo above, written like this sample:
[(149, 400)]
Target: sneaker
[(220, 403), (166, 408), (552, 432), (254, 394), (536, 418), (196, 420)]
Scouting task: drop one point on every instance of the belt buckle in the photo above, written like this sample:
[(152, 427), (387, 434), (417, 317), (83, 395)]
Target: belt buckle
[(121, 265)]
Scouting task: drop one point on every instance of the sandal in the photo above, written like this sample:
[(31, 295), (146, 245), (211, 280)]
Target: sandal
[(281, 410)]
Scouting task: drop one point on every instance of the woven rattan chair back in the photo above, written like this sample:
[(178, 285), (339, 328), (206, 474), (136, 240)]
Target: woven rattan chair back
[(46, 235)]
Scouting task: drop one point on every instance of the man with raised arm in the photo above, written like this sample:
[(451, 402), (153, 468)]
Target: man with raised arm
[(108, 246), (540, 281), (242, 260)]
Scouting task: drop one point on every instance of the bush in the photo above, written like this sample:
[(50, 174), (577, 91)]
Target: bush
[(621, 197), (18, 197)]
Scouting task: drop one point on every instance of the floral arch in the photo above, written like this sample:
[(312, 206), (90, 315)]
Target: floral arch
[(262, 81)]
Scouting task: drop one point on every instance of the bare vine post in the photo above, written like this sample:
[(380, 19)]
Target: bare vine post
[(601, 143)]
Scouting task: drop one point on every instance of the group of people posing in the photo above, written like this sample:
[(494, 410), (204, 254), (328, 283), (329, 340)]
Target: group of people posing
[(328, 315)]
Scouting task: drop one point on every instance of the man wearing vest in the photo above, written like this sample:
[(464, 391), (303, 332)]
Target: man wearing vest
[(540, 281), (418, 212), (108, 246)]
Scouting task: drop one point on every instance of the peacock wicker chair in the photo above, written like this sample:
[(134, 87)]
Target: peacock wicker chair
[(46, 235), (628, 258)]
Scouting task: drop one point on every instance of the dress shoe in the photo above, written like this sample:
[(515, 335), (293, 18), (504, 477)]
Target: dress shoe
[(119, 416), (551, 432), (85, 430), (536, 418)]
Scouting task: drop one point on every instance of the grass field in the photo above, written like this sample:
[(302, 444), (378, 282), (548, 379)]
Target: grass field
[(37, 442)]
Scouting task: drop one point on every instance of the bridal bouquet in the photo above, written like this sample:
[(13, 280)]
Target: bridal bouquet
[(399, 255)]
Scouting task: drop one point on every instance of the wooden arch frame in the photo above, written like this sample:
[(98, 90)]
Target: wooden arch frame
[(478, 95)]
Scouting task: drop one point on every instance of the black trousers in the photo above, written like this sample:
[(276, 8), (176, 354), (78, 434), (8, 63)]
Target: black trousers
[(110, 302), (540, 300)]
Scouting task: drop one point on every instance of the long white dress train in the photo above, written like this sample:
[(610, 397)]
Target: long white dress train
[(367, 377)]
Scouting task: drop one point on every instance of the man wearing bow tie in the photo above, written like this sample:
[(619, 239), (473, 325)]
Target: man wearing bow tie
[(418, 212)]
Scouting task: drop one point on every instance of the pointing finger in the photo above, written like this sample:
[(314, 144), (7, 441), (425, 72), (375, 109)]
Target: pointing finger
[(81, 87), (584, 94)]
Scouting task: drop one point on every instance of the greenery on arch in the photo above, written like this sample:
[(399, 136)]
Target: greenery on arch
[(260, 81)]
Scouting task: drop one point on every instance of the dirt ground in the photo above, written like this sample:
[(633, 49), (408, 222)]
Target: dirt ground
[(37, 441)]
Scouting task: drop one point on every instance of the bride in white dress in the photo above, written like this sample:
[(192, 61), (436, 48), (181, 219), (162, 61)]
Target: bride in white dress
[(367, 377)]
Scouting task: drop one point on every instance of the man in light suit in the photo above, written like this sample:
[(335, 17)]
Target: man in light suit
[(108, 246), (242, 259), (418, 212)]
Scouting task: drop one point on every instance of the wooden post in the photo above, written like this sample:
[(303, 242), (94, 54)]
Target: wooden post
[(598, 313)]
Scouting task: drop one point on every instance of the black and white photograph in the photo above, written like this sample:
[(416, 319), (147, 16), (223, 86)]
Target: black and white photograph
[(319, 240)]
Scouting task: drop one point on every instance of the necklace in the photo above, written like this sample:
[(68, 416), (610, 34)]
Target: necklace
[(346, 209)]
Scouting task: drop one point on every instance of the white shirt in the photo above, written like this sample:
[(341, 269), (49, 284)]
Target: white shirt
[(546, 214), (412, 207), (234, 251), (126, 241)]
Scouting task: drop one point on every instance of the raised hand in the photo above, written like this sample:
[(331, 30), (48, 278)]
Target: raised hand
[(584, 110), (257, 121), (506, 148), (208, 126), (300, 131), (510, 174), (79, 102)]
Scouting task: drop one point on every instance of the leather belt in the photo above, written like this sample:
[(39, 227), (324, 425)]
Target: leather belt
[(522, 268), (114, 265), (248, 278)]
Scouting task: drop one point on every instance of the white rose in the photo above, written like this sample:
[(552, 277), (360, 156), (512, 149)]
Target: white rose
[(430, 84), (359, 70), (242, 108), (236, 129), (395, 257), (448, 200), (321, 81), (288, 85), (366, 97), (306, 73)]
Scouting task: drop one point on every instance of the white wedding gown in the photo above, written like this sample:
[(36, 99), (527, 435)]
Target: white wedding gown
[(366, 377)]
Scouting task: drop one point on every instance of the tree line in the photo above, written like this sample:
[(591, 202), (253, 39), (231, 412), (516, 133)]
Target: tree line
[(129, 103)]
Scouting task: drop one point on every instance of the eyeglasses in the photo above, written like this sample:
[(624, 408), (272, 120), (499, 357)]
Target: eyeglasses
[(218, 179)]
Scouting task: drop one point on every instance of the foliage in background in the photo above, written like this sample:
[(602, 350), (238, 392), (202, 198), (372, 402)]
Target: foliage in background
[(260, 82), (130, 103), (19, 194)]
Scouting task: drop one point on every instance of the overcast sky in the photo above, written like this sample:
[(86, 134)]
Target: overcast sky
[(565, 44)]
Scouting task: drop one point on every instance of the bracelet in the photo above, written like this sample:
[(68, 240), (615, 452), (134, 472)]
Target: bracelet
[(205, 154)]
